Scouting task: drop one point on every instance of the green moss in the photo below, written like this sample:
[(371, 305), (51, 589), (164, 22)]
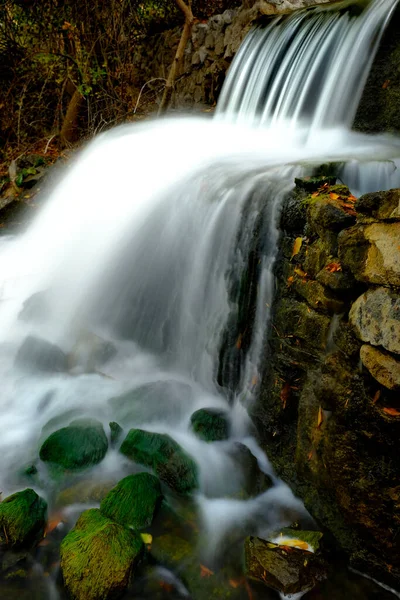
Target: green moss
[(98, 557), (82, 444), (116, 431), (22, 519), (165, 456), (134, 501), (171, 550), (210, 424)]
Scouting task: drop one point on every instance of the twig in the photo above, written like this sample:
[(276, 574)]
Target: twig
[(143, 86)]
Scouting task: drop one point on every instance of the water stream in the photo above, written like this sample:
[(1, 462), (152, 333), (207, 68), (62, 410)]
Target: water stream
[(144, 242)]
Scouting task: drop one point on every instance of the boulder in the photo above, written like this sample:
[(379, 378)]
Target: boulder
[(22, 519), (40, 355), (329, 211), (98, 557), (210, 424), (90, 352), (380, 205), (255, 481), (288, 572), (375, 317), (86, 491), (82, 444), (382, 366), (115, 432), (165, 456), (134, 501), (372, 252)]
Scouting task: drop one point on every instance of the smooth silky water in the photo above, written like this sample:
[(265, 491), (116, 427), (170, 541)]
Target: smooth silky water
[(142, 242)]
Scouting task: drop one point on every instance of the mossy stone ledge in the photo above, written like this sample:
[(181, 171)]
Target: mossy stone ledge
[(22, 519), (81, 444), (165, 456), (134, 501), (98, 557)]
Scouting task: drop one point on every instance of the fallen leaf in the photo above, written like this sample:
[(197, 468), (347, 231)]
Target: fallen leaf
[(351, 199), (309, 455), (285, 394), (288, 543), (297, 246), (290, 280), (147, 538), (376, 397), (168, 587), (54, 520), (239, 341), (392, 411), (235, 583), (315, 195), (333, 196), (300, 272), (333, 267), (205, 572), (320, 417), (386, 84)]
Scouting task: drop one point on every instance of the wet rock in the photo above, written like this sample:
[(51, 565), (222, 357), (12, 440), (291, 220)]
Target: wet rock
[(380, 205), (326, 214), (288, 572), (40, 355), (317, 296), (382, 366), (98, 557), (35, 308), (297, 320), (255, 481), (84, 492), (338, 281), (345, 340), (293, 215), (317, 257), (116, 431), (82, 444), (90, 352), (375, 317), (134, 501), (165, 456), (312, 184), (210, 424), (22, 519), (372, 252)]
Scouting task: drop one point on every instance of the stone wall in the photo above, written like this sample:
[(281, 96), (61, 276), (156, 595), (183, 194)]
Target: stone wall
[(329, 411)]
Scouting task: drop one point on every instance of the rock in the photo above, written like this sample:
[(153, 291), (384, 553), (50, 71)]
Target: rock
[(116, 431), (317, 296), (380, 205), (164, 456), (228, 16), (382, 366), (38, 354), (210, 41), (296, 319), (255, 481), (337, 281), (290, 537), (82, 444), (90, 352), (288, 572), (35, 308), (372, 252), (22, 519), (375, 317), (326, 214), (98, 557), (312, 184), (87, 491), (134, 501), (317, 257), (210, 424)]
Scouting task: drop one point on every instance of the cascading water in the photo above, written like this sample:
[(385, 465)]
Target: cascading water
[(146, 242)]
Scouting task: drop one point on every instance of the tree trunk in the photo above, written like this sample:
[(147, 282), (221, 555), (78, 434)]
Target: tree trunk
[(69, 129), (175, 67)]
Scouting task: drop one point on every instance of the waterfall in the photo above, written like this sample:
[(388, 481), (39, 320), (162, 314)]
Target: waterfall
[(145, 241)]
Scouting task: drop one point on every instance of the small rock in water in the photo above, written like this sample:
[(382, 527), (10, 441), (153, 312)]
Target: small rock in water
[(289, 571), (82, 444), (255, 481), (98, 557), (160, 452), (40, 355), (90, 352), (134, 501), (210, 424), (35, 308), (116, 431), (22, 519)]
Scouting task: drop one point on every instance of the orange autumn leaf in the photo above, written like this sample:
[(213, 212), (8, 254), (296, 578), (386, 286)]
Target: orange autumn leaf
[(235, 583), (54, 520), (300, 272), (392, 411), (333, 267), (297, 246), (386, 84), (295, 544), (320, 417), (239, 341), (205, 572), (376, 397), (351, 199), (168, 587), (309, 455), (333, 196), (285, 394)]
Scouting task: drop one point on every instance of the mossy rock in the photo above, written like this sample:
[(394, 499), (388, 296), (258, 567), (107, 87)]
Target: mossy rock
[(84, 492), (164, 456), (134, 501), (98, 557), (22, 519), (210, 424), (82, 444), (115, 432)]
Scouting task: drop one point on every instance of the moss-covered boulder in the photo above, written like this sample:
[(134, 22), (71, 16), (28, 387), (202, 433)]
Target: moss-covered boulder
[(288, 572), (134, 501), (22, 519), (82, 444), (98, 557), (164, 456), (210, 424)]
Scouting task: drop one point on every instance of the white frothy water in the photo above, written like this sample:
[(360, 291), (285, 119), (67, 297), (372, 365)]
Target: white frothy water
[(145, 241)]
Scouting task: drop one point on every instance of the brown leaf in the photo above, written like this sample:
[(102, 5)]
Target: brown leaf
[(235, 583), (351, 199), (386, 84), (315, 195), (285, 392), (392, 411), (205, 572), (320, 417), (297, 246), (168, 587), (333, 196), (310, 454), (290, 280), (376, 397), (333, 267), (239, 341)]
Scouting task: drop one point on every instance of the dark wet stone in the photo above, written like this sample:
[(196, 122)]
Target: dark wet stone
[(40, 355)]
